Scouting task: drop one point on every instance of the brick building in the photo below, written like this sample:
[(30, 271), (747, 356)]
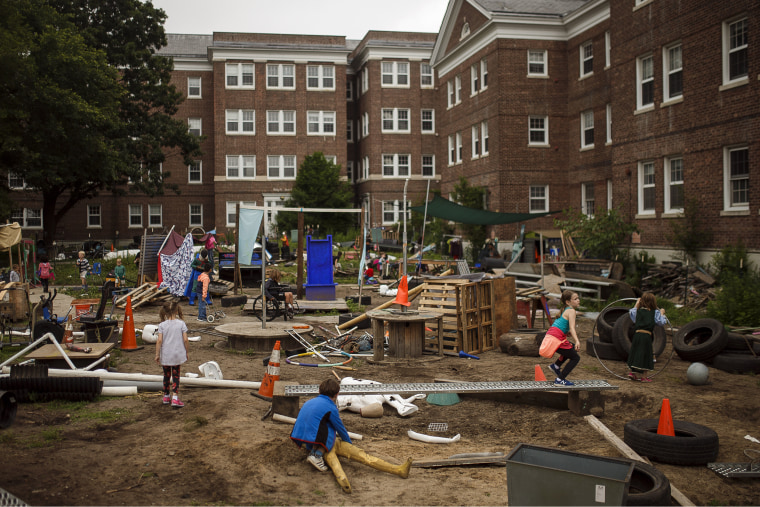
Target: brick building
[(642, 105)]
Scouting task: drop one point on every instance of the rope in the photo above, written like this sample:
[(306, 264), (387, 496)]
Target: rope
[(311, 353)]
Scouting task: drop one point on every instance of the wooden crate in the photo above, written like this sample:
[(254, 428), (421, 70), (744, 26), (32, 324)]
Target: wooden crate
[(15, 299), (441, 296)]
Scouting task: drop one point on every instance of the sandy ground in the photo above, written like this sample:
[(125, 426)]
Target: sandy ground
[(218, 450)]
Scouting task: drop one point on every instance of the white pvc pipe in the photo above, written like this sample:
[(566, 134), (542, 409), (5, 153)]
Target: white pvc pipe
[(141, 386), (34, 344), (432, 440), (119, 391), (286, 419)]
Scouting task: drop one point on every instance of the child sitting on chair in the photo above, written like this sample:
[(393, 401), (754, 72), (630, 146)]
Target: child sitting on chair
[(271, 286)]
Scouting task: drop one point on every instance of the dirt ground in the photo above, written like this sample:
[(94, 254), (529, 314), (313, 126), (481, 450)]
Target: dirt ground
[(218, 450)]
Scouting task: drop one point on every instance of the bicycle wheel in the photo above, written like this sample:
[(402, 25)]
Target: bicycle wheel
[(210, 318), (272, 312)]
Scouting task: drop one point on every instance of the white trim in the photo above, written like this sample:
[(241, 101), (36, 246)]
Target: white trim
[(727, 207), (640, 185), (668, 183), (190, 214)]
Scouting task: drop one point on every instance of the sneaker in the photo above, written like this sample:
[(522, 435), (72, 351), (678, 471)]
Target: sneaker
[(201, 320), (176, 403), (167, 399), (554, 368), (318, 462), (561, 382)]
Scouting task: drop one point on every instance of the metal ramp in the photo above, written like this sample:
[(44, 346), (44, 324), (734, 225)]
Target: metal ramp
[(462, 267)]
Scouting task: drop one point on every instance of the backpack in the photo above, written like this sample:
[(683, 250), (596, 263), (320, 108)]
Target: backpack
[(45, 270)]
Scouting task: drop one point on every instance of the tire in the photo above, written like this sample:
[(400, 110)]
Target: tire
[(693, 444), (736, 363), (648, 486), (597, 348), (346, 317), (272, 309), (42, 327), (700, 340), (607, 319), (737, 344), (622, 334), (228, 301), (210, 318)]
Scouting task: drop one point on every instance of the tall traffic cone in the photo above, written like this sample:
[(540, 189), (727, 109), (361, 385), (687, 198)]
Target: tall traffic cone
[(68, 333), (665, 427), (540, 374), (402, 295), (273, 372), (128, 340)]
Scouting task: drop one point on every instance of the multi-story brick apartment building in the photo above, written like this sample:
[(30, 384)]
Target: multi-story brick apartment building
[(640, 105)]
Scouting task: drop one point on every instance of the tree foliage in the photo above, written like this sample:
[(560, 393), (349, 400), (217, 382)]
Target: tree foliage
[(318, 185), (689, 232), (472, 197), (599, 235)]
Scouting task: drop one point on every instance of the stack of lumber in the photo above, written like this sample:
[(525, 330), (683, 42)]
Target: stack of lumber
[(145, 293), (569, 251), (674, 282)]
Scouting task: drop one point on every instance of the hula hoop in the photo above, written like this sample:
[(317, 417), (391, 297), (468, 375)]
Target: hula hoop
[(314, 365), (593, 343)]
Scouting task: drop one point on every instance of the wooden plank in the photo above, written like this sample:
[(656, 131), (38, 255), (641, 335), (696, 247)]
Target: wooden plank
[(123, 298), (500, 460)]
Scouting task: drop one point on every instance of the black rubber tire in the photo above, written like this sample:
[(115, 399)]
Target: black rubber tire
[(736, 363), (606, 321), (737, 344), (603, 350), (693, 444), (700, 340), (648, 486), (622, 334), (229, 301), (272, 309), (347, 317), (42, 327)]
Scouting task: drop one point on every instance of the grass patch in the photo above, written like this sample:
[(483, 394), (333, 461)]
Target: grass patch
[(7, 437), (46, 437), (80, 411), (194, 423)]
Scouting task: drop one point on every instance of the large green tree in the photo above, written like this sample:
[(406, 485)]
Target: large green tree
[(472, 197), (86, 105), (318, 185)]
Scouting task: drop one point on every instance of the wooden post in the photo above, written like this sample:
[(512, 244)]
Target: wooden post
[(378, 339), (299, 261), (236, 278)]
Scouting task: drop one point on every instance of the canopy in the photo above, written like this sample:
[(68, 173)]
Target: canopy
[(448, 210), (10, 234)]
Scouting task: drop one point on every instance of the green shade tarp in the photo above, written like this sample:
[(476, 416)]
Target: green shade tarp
[(448, 210)]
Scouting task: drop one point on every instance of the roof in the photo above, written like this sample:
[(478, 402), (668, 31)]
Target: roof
[(545, 7), (179, 44)]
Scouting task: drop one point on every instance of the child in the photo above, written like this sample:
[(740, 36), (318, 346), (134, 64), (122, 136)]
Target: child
[(44, 270), (203, 280), (192, 290), (84, 266), (569, 302), (120, 272), (14, 274), (270, 287), (369, 275), (645, 316), (171, 350)]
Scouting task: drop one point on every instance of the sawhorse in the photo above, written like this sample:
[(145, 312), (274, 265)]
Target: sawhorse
[(527, 308)]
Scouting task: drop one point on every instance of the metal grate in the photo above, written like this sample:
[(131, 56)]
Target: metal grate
[(438, 427), (9, 500), (741, 470)]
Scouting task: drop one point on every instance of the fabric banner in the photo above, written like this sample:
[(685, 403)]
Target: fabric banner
[(175, 268), (362, 262), (10, 234), (250, 223)]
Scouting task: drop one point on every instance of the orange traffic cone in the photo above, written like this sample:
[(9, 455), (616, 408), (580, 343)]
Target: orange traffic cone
[(665, 427), (68, 333), (402, 296), (273, 372), (128, 340), (540, 374)]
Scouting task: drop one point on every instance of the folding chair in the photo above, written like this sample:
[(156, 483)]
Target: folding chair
[(96, 270)]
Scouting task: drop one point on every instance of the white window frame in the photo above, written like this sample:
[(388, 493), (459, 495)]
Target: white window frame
[(609, 194), (243, 165), (588, 197), (349, 89), (731, 46), (191, 169), (430, 165), (484, 138), (191, 87), (280, 76), (365, 125), (396, 119), (190, 214), (320, 119), (155, 210), (237, 70), (430, 121), (325, 76), (729, 181), (644, 64), (586, 53), (608, 119), (475, 141), (391, 71), (457, 89), (281, 122), (365, 79), (192, 122), (483, 74), (426, 73), (281, 167), (350, 170), (349, 131), (543, 129), (365, 169), (238, 117), (670, 67), (646, 182), (230, 208), (587, 127), (16, 182), (533, 54), (534, 196), (459, 147), (670, 164), (474, 79), (607, 49), (452, 150), (134, 216), (394, 166), (395, 209), (449, 94), (94, 211)]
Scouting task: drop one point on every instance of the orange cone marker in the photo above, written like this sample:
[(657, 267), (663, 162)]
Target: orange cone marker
[(540, 374), (273, 372), (402, 296), (128, 340), (665, 426)]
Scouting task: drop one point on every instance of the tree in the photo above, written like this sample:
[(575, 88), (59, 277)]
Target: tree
[(472, 197), (598, 235), (689, 232), (86, 103), (318, 185)]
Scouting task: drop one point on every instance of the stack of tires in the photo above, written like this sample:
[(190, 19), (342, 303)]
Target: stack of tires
[(706, 340), (614, 334)]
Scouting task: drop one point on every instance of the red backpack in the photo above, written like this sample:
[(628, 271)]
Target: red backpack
[(44, 270)]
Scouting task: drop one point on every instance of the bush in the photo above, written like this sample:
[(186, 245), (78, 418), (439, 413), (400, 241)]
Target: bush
[(736, 301)]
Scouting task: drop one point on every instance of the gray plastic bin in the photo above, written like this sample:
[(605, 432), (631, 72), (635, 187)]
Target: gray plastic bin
[(545, 476)]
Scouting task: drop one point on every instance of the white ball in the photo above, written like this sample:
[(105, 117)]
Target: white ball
[(697, 374)]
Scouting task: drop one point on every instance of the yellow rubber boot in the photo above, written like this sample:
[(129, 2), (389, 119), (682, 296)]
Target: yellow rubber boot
[(331, 458), (354, 453)]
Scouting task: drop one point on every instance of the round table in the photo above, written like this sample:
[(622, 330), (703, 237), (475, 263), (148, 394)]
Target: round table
[(406, 332), (250, 335)]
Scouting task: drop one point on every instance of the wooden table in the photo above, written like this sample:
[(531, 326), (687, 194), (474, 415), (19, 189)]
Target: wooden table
[(406, 332), (49, 354)]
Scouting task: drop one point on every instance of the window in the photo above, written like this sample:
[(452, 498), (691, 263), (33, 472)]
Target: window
[(484, 135), (365, 125), (609, 123), (94, 216), (350, 131), (195, 172), (349, 90), (483, 74), (428, 121), (281, 167), (366, 168), (474, 79), (645, 80), (395, 74), (646, 188), (475, 142), (241, 166), (736, 178), (365, 79), (350, 170), (452, 150), (231, 209), (15, 181), (240, 121), (428, 166), (281, 123), (587, 58), (426, 75), (135, 215), (587, 197), (194, 87), (539, 198), (155, 215), (587, 129), (674, 185), (538, 127), (320, 77), (194, 126), (396, 120), (609, 194), (196, 215), (457, 89), (395, 166), (735, 43), (450, 93), (320, 123), (672, 72), (240, 75), (537, 63), (28, 218), (393, 211), (607, 50), (282, 76)]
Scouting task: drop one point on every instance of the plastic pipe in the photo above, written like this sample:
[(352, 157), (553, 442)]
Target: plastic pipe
[(432, 440), (119, 391)]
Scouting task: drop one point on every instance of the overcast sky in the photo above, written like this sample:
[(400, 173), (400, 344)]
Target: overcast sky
[(352, 18)]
